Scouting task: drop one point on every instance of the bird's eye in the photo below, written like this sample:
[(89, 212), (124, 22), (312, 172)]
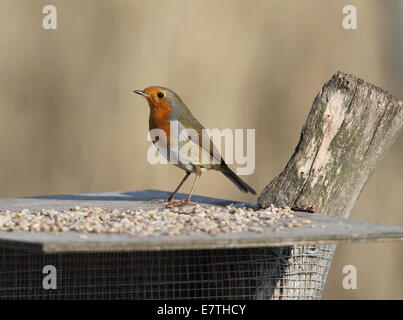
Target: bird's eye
[(160, 95)]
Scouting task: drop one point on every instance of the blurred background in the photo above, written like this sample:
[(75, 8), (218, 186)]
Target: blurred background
[(69, 122)]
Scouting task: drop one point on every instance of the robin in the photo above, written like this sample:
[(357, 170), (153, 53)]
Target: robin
[(166, 109)]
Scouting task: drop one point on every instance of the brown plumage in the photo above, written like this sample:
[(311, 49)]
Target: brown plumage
[(167, 107)]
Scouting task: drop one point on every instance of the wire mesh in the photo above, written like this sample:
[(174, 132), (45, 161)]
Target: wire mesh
[(295, 272)]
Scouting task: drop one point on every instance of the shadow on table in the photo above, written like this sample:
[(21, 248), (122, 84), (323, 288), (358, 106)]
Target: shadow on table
[(143, 195)]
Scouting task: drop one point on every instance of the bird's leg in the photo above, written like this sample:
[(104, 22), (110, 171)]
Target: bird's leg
[(198, 174), (172, 196)]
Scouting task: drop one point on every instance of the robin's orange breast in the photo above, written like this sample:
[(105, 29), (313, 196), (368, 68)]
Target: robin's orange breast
[(159, 119)]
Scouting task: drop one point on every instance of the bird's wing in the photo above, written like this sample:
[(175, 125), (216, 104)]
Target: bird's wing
[(202, 137)]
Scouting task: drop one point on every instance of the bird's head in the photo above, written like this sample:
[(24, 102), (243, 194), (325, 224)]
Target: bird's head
[(160, 98)]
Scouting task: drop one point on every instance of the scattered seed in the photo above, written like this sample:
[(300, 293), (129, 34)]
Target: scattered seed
[(161, 219)]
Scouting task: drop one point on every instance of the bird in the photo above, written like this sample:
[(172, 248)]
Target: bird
[(166, 108)]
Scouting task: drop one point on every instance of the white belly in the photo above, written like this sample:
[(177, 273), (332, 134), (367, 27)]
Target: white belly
[(184, 153)]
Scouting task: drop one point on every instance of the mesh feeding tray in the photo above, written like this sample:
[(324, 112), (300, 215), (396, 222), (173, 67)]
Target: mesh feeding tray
[(272, 254)]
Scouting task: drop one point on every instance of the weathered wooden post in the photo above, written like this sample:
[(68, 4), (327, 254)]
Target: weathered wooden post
[(349, 129)]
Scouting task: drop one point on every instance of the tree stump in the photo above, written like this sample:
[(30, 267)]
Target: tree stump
[(349, 129)]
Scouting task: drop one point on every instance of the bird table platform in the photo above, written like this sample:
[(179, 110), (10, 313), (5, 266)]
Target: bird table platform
[(130, 245), (192, 263), (135, 221)]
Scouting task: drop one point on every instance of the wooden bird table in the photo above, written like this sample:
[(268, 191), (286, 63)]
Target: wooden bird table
[(349, 129), (323, 229), (240, 265)]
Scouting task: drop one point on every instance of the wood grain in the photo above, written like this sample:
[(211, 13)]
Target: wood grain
[(349, 129)]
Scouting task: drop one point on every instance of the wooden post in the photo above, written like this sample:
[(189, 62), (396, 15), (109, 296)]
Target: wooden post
[(349, 129)]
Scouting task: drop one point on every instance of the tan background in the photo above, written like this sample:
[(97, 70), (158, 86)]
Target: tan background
[(69, 122)]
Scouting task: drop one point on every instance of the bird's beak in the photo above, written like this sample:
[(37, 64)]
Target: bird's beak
[(141, 92)]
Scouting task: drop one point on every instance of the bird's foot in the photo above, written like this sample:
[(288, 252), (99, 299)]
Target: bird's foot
[(157, 201), (164, 201), (179, 203), (186, 203), (172, 203)]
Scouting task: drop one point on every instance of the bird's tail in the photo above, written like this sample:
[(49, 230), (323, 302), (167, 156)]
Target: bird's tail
[(243, 186)]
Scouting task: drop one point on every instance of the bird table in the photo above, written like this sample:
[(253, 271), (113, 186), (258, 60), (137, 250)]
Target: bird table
[(245, 264), (130, 245)]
